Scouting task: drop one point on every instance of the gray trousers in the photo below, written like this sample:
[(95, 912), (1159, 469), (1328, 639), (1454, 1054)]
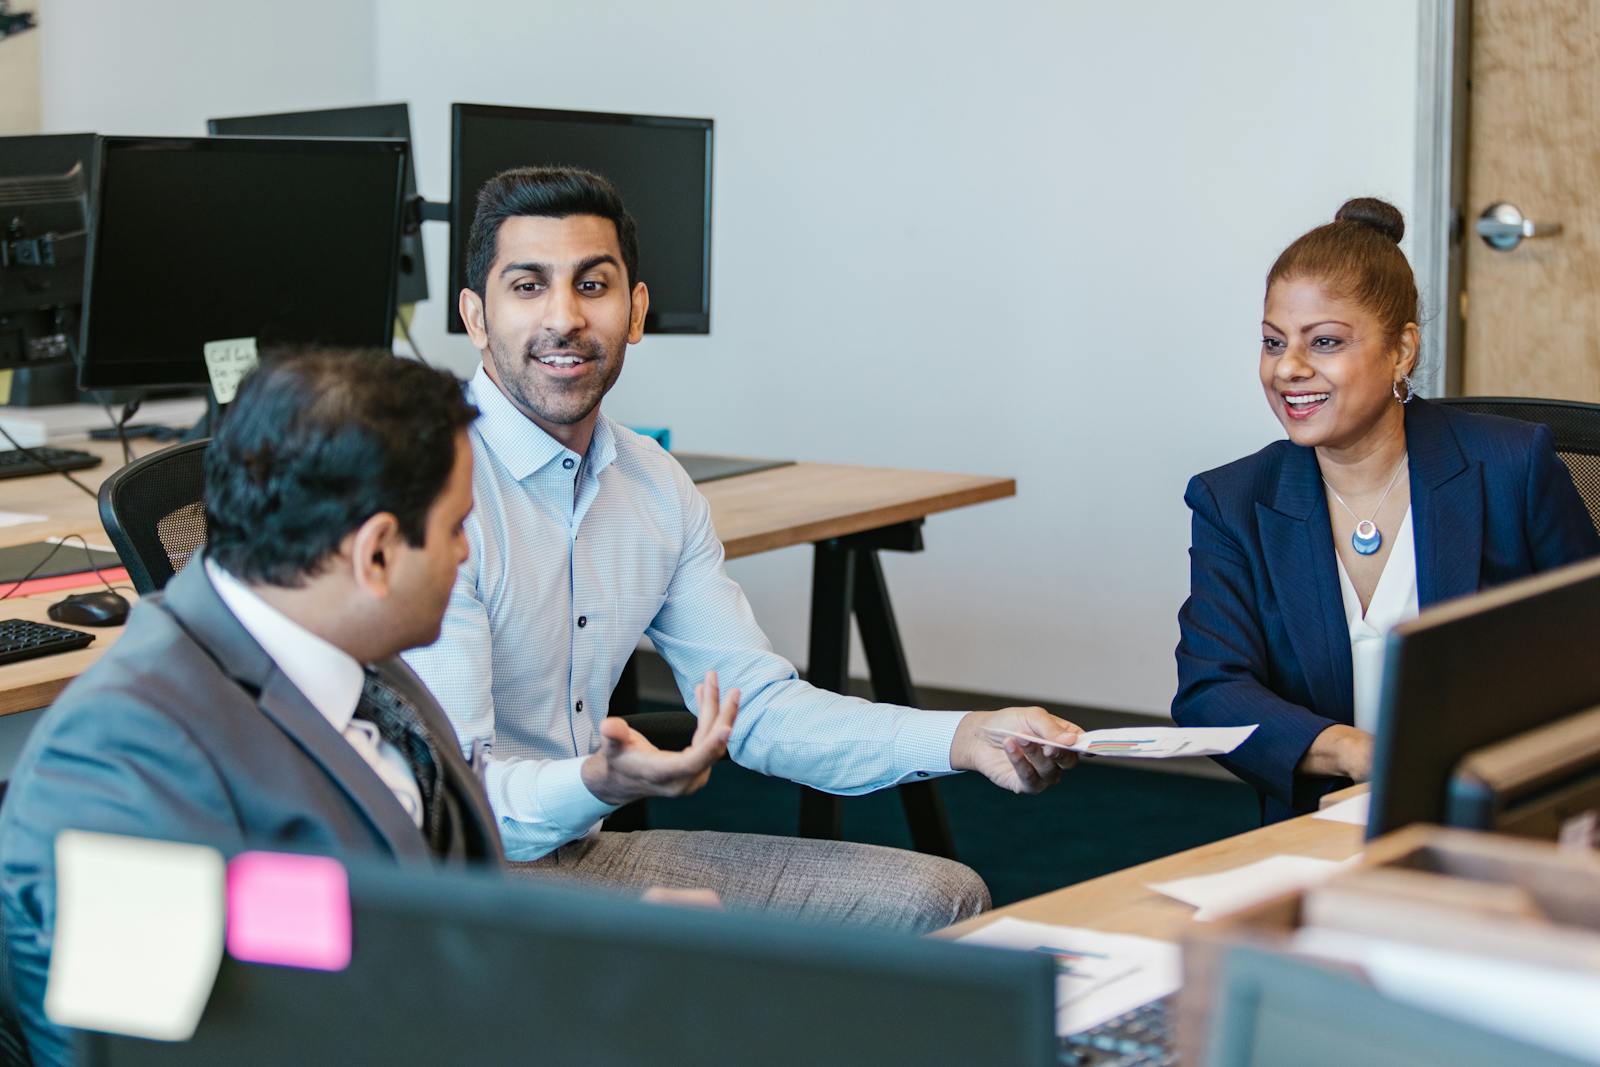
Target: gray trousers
[(825, 881)]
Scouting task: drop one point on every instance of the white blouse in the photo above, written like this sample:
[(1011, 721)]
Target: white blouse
[(1393, 602)]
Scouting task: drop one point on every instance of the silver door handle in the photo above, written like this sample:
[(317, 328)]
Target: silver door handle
[(1502, 227)]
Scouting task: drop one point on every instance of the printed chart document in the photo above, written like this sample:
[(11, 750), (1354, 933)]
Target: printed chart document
[(1227, 891), (138, 935), (1353, 811), (1148, 742), (1098, 976)]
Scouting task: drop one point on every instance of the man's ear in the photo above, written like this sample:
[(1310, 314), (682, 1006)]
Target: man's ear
[(470, 305), (637, 307), (373, 548)]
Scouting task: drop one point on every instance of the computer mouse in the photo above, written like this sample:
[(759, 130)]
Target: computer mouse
[(100, 608)]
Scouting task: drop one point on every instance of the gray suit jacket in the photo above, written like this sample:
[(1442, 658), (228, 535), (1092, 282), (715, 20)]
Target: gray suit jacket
[(188, 731)]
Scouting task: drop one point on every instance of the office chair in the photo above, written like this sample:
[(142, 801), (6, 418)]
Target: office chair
[(154, 513), (1576, 427)]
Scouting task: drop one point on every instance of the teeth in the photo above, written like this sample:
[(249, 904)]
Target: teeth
[(1308, 398), (560, 361)]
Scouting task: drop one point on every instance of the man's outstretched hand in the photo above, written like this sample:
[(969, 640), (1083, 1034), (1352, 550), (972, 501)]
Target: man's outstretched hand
[(628, 767), (1010, 762)]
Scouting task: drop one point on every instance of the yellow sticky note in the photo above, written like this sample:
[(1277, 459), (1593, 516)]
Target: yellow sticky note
[(5, 387), (228, 362), (138, 936)]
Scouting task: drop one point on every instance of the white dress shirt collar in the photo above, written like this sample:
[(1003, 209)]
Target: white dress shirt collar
[(328, 677), (520, 444)]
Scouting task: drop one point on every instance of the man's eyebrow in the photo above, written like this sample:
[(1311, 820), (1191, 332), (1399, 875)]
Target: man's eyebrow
[(589, 264), (530, 268)]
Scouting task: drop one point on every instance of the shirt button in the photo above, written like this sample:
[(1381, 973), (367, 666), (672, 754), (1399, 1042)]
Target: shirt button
[(579, 708), (583, 620), (568, 463), (922, 774)]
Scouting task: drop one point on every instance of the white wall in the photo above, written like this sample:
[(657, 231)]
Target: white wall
[(1014, 237), (1023, 238), (162, 67)]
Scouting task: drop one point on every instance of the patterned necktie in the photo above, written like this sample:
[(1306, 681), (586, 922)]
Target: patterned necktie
[(399, 724)]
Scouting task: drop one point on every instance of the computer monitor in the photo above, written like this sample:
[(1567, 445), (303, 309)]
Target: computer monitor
[(199, 239), (661, 166), (45, 189), (1476, 671), (378, 120), (455, 967)]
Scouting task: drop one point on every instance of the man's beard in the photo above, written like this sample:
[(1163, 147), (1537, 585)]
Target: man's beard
[(555, 402)]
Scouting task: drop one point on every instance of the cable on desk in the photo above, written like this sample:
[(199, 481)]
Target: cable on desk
[(406, 332)]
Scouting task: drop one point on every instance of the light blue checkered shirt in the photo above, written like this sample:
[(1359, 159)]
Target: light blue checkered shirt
[(571, 562)]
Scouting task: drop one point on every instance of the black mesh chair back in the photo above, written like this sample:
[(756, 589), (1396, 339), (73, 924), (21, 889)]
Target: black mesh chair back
[(1576, 427), (153, 511)]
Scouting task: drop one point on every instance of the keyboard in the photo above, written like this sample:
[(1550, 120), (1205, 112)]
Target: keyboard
[(15, 463), (1141, 1036), (21, 639)]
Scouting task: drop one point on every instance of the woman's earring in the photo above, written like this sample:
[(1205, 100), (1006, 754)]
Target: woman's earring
[(1411, 389)]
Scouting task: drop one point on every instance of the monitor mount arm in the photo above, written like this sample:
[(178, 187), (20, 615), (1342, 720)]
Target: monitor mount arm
[(419, 210)]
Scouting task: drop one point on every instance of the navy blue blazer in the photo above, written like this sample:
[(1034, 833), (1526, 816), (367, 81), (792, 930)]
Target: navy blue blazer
[(1263, 635)]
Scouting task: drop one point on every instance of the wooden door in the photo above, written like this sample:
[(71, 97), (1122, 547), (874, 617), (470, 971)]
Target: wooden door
[(1533, 313)]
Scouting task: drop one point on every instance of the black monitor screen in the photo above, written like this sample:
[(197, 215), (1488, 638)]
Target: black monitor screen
[(661, 166), (377, 120), (199, 240)]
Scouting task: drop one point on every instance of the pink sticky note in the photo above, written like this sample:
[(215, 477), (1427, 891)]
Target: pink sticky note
[(293, 911)]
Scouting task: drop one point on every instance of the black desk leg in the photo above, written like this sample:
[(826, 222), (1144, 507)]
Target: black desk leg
[(891, 683), (847, 580), (832, 580)]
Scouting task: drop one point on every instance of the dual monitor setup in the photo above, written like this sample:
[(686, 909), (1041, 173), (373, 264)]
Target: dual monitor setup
[(125, 256)]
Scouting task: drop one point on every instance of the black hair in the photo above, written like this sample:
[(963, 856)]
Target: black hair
[(547, 192), (1358, 255), (317, 442)]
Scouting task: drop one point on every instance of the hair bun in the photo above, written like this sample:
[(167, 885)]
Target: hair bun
[(1378, 214)]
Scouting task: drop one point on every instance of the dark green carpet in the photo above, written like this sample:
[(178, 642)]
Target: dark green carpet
[(1101, 818)]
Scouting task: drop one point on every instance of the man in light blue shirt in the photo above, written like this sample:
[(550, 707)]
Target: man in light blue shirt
[(587, 536)]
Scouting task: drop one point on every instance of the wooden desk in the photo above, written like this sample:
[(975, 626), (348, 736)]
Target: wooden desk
[(35, 683), (1123, 903)]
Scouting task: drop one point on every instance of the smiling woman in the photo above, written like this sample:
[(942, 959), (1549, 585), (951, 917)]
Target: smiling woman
[(1305, 554)]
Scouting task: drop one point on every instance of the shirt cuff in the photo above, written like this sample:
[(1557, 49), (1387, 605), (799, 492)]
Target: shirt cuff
[(922, 744), (550, 792)]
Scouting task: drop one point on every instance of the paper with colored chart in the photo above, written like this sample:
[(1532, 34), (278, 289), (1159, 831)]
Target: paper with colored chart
[(1098, 976), (1149, 742)]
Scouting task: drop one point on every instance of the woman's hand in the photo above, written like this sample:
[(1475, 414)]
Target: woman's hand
[(1340, 750)]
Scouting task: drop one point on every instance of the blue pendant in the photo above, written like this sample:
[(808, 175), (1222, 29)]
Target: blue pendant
[(1366, 540)]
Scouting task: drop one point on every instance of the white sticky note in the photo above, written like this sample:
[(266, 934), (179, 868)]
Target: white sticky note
[(18, 518), (228, 362), (138, 936)]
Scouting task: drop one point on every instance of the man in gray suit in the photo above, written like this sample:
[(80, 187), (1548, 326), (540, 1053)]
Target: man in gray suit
[(258, 700)]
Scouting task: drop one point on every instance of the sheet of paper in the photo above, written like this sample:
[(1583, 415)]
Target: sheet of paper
[(1550, 1008), (1148, 742), (1098, 976), (138, 935), (1353, 811), (1228, 891), (289, 910), (18, 518)]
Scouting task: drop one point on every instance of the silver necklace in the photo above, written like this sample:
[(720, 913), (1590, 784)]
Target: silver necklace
[(1367, 538)]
